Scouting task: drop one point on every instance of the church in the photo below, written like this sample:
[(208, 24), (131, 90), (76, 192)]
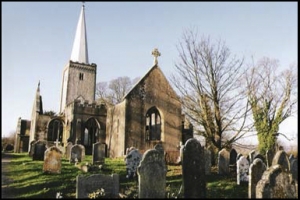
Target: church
[(150, 113)]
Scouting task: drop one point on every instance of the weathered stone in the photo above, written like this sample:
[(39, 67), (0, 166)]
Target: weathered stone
[(276, 183), (99, 150), (132, 161), (251, 156), (242, 170), (233, 155), (52, 160), (294, 169), (207, 157), (260, 157), (256, 171), (223, 162), (68, 150), (90, 184), (269, 157), (193, 170), (39, 149), (152, 174), (77, 153), (281, 159)]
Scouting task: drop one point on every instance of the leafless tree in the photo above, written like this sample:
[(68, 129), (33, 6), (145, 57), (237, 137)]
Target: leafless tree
[(208, 79), (272, 96)]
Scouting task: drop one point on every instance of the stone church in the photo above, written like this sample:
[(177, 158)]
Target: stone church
[(149, 113)]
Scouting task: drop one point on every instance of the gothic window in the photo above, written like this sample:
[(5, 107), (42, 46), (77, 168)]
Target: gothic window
[(55, 130), (80, 76), (90, 133), (153, 124)]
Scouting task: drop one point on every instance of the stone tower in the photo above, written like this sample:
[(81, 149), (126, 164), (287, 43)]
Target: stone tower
[(79, 77)]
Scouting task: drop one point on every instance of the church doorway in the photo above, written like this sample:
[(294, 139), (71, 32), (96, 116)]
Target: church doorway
[(90, 135)]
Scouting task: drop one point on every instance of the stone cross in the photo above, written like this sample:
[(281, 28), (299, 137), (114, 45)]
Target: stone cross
[(57, 143), (155, 53)]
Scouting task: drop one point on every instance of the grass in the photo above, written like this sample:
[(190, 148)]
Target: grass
[(29, 181)]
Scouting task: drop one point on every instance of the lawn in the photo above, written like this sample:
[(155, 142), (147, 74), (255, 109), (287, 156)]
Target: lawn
[(29, 181)]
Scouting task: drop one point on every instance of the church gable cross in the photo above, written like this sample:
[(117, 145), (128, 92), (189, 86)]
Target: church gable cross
[(155, 53)]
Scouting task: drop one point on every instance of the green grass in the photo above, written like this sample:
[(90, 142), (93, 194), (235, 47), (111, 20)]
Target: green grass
[(29, 181)]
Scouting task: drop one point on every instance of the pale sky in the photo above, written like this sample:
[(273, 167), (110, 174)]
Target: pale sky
[(37, 40)]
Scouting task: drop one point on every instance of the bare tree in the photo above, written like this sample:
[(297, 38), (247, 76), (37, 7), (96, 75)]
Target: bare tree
[(272, 98), (208, 80), (114, 92)]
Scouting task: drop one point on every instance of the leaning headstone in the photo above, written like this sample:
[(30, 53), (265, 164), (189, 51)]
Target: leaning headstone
[(276, 183), (242, 170), (294, 169), (223, 162), (269, 157), (207, 157), (152, 174), (68, 150), (256, 171), (89, 185), (99, 150), (77, 153), (282, 159), (132, 161), (193, 170), (39, 149), (52, 160)]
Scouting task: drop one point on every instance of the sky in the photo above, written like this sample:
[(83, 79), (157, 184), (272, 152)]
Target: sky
[(37, 40)]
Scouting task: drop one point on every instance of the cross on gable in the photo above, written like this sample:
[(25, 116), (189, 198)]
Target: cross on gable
[(155, 53)]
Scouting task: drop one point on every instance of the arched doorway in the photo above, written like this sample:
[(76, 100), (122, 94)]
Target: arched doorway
[(90, 135), (55, 131)]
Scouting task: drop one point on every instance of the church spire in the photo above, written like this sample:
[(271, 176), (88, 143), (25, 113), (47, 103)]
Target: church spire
[(80, 46)]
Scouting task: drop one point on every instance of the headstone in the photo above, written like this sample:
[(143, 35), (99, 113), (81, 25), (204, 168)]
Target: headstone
[(223, 162), (99, 150), (256, 171), (281, 159), (207, 157), (251, 156), (193, 170), (86, 185), (260, 157), (152, 174), (39, 149), (213, 160), (242, 170), (31, 151), (68, 150), (238, 156), (276, 183), (132, 161), (52, 160), (294, 169), (269, 157), (233, 155), (77, 153)]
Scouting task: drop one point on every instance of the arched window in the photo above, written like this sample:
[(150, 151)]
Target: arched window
[(153, 124), (90, 134), (55, 130)]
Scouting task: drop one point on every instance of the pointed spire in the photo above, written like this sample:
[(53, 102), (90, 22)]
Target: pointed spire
[(80, 46)]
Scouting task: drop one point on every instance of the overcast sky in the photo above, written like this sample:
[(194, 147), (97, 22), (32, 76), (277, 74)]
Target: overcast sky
[(37, 40)]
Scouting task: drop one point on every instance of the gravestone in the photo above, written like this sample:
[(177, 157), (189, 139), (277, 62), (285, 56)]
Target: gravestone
[(233, 155), (238, 156), (269, 157), (31, 151), (207, 157), (251, 156), (260, 157), (276, 183), (256, 171), (242, 170), (223, 162), (152, 174), (193, 170), (213, 157), (52, 160), (99, 150), (39, 149), (294, 169), (77, 153), (86, 185), (132, 161), (282, 159), (68, 150)]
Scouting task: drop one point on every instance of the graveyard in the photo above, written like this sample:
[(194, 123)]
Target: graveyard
[(55, 175)]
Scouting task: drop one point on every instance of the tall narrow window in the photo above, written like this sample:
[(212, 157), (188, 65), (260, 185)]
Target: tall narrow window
[(55, 130), (153, 124), (80, 76)]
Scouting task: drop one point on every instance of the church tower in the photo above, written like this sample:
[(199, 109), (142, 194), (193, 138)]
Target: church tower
[(79, 77)]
